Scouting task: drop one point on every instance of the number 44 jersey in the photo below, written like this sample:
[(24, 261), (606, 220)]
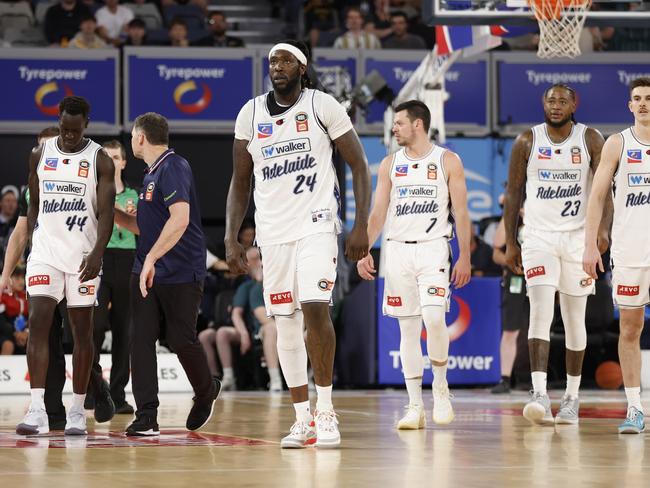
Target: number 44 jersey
[(66, 228)]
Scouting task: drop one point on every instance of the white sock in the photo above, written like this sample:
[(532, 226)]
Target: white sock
[(572, 385), (539, 381), (439, 374), (228, 373), (78, 400), (634, 398), (303, 414), (37, 398), (414, 388), (324, 398), (274, 375)]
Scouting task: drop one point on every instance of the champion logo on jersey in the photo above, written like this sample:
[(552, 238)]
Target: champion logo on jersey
[(280, 298), (536, 271), (401, 170), (66, 161), (394, 301), (83, 169), (627, 290), (51, 164), (544, 153), (634, 156), (264, 130)]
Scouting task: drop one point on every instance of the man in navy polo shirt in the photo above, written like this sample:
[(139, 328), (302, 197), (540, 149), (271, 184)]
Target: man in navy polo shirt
[(168, 274)]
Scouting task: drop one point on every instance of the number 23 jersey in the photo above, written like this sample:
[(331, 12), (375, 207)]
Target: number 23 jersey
[(66, 228), (296, 189)]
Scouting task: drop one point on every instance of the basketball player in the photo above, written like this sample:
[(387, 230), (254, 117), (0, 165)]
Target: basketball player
[(72, 194), (284, 139), (554, 161), (625, 162), (419, 188)]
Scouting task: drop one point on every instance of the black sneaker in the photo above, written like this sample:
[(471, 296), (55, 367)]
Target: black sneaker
[(57, 421), (144, 425), (124, 408), (89, 402), (500, 387), (203, 408), (104, 406)]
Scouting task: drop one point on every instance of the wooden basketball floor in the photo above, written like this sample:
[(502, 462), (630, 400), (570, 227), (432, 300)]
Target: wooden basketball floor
[(489, 444)]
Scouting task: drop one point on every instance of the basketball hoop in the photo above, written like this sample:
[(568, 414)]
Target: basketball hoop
[(560, 25)]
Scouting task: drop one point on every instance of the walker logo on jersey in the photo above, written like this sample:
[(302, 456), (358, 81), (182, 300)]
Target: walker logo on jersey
[(195, 107), (576, 156), (46, 89), (302, 124), (83, 168), (544, 153), (264, 130), (325, 285), (285, 148), (64, 188), (638, 179), (280, 298), (432, 171), (401, 170), (417, 191), (394, 301), (38, 280), (585, 282), (559, 175), (51, 164), (436, 291), (626, 290), (634, 156), (86, 290), (536, 271), (148, 196)]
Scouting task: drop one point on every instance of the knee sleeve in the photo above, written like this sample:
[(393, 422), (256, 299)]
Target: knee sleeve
[(542, 306), (437, 333), (292, 352), (573, 316), (410, 350)]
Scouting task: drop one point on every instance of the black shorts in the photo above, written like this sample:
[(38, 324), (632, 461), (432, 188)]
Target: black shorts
[(515, 307)]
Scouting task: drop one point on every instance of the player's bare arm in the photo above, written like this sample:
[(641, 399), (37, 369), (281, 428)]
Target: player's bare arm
[(366, 266), (356, 245), (91, 264), (34, 195), (514, 196), (236, 205), (453, 166), (600, 188), (595, 142)]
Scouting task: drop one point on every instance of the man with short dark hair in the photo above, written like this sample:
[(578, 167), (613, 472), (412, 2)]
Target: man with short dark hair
[(168, 275), (178, 33), (62, 21), (401, 39), (218, 26), (136, 33)]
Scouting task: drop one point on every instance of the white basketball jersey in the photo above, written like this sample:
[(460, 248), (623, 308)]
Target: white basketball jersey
[(67, 215), (631, 226), (419, 199), (296, 190), (558, 180)]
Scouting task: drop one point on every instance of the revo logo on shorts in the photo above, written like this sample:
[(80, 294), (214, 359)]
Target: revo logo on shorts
[(39, 280), (627, 290), (536, 271), (394, 301), (283, 297)]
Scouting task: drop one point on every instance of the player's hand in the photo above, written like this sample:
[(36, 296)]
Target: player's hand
[(366, 267), (147, 274), (603, 242), (6, 285), (245, 343), (590, 259), (462, 272), (21, 338), (356, 245), (513, 259), (91, 265), (236, 258)]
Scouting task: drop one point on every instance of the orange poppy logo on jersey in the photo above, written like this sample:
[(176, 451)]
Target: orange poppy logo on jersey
[(46, 89), (196, 107)]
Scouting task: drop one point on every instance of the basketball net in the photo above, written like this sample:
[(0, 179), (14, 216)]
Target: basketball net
[(560, 26)]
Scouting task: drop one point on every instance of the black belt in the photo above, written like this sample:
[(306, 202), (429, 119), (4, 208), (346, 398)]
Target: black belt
[(410, 242)]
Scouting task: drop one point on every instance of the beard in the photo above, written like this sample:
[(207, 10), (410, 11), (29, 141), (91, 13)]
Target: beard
[(557, 125), (288, 88)]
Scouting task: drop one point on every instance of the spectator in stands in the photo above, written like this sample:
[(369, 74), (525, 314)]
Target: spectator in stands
[(218, 26), (379, 22), (86, 38), (112, 21), (320, 16), (13, 316), (178, 33), (356, 37), (136, 33), (401, 39), (8, 214), (62, 21), (481, 256)]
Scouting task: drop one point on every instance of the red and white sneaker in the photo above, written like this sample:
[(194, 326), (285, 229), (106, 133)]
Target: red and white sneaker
[(301, 435), (327, 429)]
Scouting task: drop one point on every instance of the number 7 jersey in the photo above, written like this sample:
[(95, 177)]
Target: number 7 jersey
[(66, 228), (558, 180)]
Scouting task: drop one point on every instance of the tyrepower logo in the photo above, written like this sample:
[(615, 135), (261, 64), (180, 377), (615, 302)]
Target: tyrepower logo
[(64, 188), (394, 301), (280, 298), (38, 280), (626, 290), (536, 271), (286, 148)]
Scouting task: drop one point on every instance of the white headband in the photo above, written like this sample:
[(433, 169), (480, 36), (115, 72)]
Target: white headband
[(292, 49)]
